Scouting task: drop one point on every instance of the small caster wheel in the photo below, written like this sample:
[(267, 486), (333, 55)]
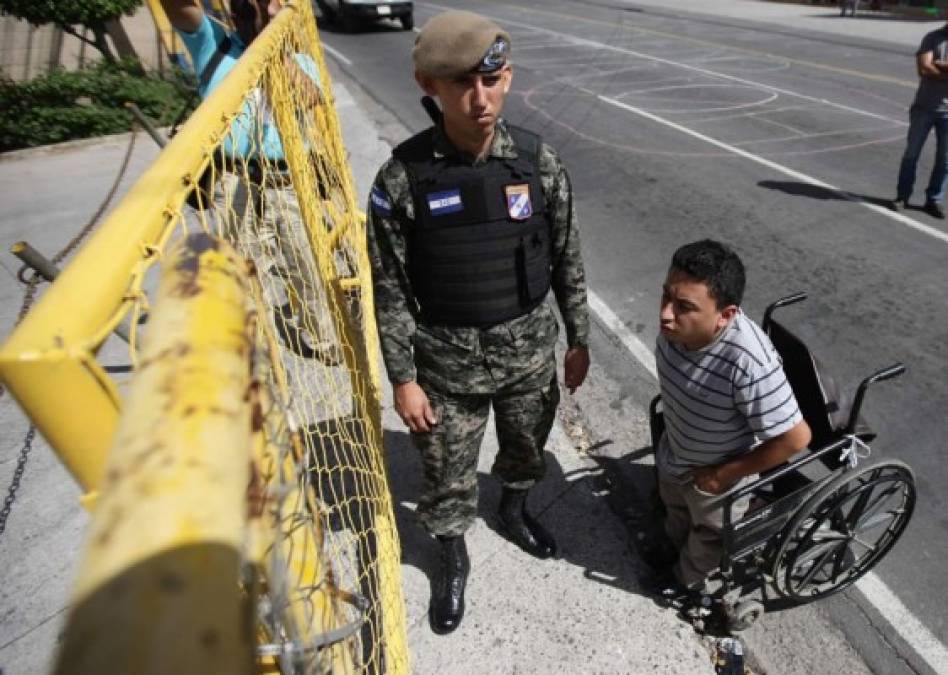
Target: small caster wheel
[(743, 615)]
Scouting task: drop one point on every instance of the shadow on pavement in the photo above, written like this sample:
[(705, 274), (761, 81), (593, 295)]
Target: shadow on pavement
[(578, 533), (800, 189), (869, 15)]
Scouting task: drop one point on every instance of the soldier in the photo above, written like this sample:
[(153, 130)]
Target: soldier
[(470, 224)]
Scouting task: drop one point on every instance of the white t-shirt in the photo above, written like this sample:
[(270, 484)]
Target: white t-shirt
[(721, 400)]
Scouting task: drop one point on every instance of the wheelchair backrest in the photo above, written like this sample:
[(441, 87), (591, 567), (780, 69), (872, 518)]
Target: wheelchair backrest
[(823, 406)]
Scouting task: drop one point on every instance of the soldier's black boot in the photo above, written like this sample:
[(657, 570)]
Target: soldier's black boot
[(520, 526), (447, 596)]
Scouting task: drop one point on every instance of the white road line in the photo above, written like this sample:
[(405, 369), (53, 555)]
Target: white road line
[(881, 210), (629, 339), (906, 625), (337, 54)]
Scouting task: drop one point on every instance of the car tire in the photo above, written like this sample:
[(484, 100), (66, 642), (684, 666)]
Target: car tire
[(408, 21), (325, 11)]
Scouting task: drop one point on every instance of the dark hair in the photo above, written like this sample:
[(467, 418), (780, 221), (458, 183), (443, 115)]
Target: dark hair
[(716, 265), (244, 14)]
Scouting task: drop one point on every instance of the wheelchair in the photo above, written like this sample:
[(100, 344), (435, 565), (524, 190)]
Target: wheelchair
[(818, 522)]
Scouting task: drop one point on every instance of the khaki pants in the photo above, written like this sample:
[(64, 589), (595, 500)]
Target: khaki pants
[(265, 224), (693, 522)]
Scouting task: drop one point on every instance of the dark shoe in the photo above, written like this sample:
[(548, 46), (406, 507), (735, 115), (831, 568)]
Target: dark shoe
[(447, 597), (898, 204), (520, 526), (667, 591), (934, 209), (702, 611)]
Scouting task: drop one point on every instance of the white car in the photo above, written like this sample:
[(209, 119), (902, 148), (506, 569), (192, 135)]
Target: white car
[(351, 13)]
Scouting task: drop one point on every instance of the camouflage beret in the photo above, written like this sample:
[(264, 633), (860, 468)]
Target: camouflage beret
[(457, 42)]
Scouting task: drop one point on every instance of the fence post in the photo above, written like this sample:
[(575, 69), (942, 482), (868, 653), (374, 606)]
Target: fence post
[(158, 589)]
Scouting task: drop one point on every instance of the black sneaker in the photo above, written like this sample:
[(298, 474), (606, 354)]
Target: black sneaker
[(934, 209), (666, 590)]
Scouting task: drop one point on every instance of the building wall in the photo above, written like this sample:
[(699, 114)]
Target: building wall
[(27, 51)]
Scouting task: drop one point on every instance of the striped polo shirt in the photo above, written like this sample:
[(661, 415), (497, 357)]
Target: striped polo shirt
[(721, 400)]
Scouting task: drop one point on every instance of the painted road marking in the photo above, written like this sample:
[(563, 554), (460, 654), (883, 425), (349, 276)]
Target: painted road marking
[(335, 52), (697, 69), (629, 340), (780, 168), (707, 43)]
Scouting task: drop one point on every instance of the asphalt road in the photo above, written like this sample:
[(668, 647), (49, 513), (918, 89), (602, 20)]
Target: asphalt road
[(782, 142)]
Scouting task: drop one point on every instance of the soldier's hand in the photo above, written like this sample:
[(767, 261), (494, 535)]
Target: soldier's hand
[(412, 405), (575, 366)]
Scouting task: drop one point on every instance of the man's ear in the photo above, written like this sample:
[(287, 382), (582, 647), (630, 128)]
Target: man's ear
[(508, 77), (426, 82), (726, 315)]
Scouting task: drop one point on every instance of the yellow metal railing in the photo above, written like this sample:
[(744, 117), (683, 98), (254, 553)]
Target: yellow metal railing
[(318, 553), (158, 586)]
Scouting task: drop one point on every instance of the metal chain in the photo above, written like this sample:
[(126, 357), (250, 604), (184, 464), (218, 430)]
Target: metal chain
[(17, 475), (32, 283)]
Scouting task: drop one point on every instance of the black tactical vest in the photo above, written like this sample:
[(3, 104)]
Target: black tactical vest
[(480, 250)]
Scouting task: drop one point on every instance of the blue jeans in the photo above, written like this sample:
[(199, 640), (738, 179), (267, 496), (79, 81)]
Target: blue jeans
[(920, 123)]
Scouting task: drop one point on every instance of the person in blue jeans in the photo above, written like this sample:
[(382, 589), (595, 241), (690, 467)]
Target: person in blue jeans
[(929, 110)]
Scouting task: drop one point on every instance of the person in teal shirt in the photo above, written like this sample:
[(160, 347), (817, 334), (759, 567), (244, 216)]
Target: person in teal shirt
[(253, 133), (255, 205)]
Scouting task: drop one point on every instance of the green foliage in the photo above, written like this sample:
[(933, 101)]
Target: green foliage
[(66, 105), (69, 12)]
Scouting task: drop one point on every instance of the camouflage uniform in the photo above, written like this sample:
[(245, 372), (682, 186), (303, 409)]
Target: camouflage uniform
[(464, 370)]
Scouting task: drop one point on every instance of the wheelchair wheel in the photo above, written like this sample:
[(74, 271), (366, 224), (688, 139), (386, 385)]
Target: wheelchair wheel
[(844, 530)]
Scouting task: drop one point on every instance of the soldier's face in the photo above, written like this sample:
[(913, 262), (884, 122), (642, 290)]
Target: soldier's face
[(471, 102), (689, 316)]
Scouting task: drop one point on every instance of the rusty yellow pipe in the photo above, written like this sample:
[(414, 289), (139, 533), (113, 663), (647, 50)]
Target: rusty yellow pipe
[(47, 362), (158, 587)]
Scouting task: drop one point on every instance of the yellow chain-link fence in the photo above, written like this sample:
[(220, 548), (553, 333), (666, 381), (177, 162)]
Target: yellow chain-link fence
[(310, 543)]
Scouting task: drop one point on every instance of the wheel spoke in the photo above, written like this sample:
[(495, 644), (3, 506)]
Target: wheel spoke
[(869, 547), (870, 513), (859, 506), (818, 566), (805, 556), (828, 535), (838, 560), (877, 502), (873, 523)]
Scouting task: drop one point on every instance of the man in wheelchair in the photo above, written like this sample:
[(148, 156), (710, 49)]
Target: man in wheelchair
[(729, 410)]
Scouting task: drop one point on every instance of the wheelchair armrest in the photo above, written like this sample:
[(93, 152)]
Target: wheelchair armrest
[(735, 494)]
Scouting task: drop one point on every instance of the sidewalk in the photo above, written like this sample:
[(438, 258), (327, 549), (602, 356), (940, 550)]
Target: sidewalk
[(897, 26)]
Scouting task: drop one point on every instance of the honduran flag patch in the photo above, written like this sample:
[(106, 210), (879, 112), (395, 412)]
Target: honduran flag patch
[(447, 201), (380, 202)]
